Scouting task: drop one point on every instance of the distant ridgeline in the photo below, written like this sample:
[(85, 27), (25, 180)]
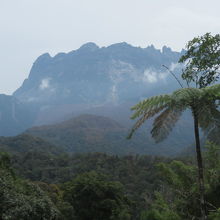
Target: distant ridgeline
[(96, 76), (104, 81)]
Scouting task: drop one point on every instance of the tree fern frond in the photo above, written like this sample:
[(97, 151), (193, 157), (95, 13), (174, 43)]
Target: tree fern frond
[(205, 118), (212, 91), (213, 135), (144, 117), (150, 104), (200, 101), (209, 117), (184, 97), (165, 122)]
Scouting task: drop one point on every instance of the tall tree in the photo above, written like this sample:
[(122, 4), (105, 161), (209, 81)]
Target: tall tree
[(202, 65), (170, 107), (201, 60)]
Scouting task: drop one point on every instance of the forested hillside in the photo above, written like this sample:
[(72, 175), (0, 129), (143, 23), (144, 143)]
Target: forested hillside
[(91, 133), (148, 187)]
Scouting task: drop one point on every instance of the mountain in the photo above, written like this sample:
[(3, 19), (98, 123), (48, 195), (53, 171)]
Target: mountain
[(102, 81), (91, 74), (91, 133), (91, 78), (15, 116), (25, 143)]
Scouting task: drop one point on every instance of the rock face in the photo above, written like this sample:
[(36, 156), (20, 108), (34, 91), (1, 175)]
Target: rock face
[(14, 116), (103, 81), (93, 77)]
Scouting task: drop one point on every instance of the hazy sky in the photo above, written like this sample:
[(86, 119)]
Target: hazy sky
[(29, 28)]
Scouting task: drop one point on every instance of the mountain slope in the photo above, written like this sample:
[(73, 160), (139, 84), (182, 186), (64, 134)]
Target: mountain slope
[(86, 133), (15, 116), (78, 81), (73, 77), (26, 143), (90, 133), (104, 81)]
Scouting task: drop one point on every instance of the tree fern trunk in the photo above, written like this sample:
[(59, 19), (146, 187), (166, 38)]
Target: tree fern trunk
[(200, 168)]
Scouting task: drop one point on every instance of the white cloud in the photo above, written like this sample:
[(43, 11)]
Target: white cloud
[(120, 70), (45, 84), (163, 75), (150, 76), (176, 66)]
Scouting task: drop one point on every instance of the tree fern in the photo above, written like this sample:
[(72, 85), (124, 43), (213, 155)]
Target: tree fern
[(167, 109), (171, 106)]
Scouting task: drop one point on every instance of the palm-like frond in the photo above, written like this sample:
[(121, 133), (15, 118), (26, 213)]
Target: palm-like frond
[(165, 122), (212, 91), (150, 104), (208, 113), (209, 118), (200, 101), (147, 109), (145, 116), (186, 96)]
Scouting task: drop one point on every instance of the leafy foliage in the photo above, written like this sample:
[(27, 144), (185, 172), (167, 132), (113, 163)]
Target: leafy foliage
[(160, 210), (20, 199), (200, 101), (93, 197), (137, 174), (179, 193), (158, 188), (202, 60)]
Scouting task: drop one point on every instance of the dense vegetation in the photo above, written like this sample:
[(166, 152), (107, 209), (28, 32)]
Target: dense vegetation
[(144, 187), (136, 173), (22, 199)]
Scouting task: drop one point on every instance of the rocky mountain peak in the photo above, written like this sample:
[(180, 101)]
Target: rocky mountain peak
[(43, 58), (166, 49), (91, 76), (90, 46)]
